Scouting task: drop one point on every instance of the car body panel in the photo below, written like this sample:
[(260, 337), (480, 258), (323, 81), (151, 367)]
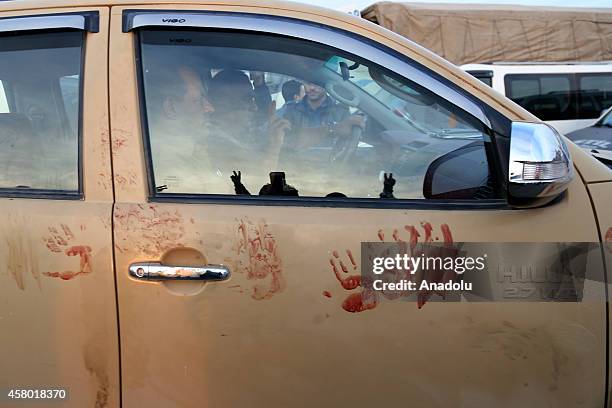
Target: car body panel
[(282, 338), (590, 169), (223, 345), (601, 194), (58, 323)]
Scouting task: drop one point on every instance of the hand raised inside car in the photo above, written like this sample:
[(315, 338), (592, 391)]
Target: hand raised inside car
[(276, 127), (236, 177), (239, 188), (388, 184), (345, 128)]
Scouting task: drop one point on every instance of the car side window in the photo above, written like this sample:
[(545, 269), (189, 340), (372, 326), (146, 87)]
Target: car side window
[(595, 94), (561, 96), (548, 96), (69, 86), (39, 144), (262, 115)]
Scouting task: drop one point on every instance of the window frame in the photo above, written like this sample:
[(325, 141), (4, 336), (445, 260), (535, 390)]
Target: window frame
[(495, 124), (83, 22)]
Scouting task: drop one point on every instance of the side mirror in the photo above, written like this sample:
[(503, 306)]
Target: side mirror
[(540, 167), (447, 178)]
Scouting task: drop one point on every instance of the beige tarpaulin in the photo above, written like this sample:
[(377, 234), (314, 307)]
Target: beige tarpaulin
[(471, 33)]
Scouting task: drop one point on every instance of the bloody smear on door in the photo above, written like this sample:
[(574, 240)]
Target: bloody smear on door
[(59, 241), (259, 259), (346, 272)]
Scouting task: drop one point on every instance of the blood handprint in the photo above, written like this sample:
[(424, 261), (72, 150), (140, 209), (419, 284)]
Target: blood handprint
[(58, 241), (367, 298), (361, 301), (262, 259)]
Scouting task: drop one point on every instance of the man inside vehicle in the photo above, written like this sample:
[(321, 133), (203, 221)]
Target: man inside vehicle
[(293, 92), (179, 120), (263, 98), (234, 131), (318, 118)]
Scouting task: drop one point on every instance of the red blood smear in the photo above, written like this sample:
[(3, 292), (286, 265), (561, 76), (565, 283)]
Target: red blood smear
[(67, 231), (422, 298), (82, 250), (414, 235), (270, 244), (360, 302), (348, 283), (327, 293), (381, 235), (53, 247), (427, 228), (608, 239), (352, 282), (446, 233), (62, 275), (396, 236), (335, 254), (350, 255), (343, 266), (333, 265)]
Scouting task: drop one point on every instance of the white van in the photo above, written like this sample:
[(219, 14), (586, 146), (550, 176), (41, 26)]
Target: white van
[(569, 96)]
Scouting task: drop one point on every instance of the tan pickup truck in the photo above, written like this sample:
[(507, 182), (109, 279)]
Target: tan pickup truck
[(178, 228)]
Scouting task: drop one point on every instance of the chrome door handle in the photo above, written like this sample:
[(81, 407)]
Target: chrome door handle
[(155, 271)]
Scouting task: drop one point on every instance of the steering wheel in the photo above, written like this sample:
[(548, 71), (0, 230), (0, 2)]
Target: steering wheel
[(342, 93), (344, 147)]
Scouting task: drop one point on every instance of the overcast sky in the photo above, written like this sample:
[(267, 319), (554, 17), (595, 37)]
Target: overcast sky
[(350, 5)]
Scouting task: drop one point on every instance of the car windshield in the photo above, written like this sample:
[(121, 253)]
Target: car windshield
[(606, 120), (416, 106)]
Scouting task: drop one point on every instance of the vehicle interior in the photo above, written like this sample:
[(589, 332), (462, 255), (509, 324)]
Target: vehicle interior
[(39, 74), (407, 127)]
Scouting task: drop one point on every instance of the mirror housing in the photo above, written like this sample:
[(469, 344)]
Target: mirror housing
[(540, 167), (447, 179)]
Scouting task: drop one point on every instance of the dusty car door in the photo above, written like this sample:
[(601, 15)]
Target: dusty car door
[(292, 326), (58, 326)]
